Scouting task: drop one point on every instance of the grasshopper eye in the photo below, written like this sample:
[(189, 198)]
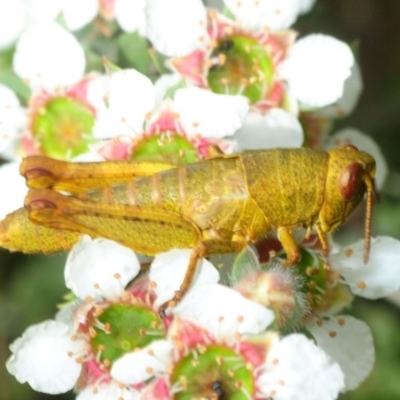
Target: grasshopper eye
[(350, 180)]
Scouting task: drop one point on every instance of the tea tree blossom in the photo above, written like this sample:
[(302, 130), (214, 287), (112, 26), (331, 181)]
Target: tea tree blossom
[(12, 119), (247, 366), (70, 332), (42, 357), (48, 56), (349, 342), (327, 290), (10, 177), (180, 129), (59, 118), (248, 56), (130, 15)]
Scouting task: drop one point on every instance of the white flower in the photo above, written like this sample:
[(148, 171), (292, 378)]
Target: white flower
[(142, 364), (100, 268), (349, 342), (296, 369), (19, 15), (363, 142), (11, 21), (131, 99), (271, 15), (45, 357), (168, 271), (316, 68), (12, 117), (209, 114), (47, 56), (378, 278), (345, 104), (108, 391), (130, 15), (277, 128), (10, 178), (78, 13), (166, 21), (222, 310)]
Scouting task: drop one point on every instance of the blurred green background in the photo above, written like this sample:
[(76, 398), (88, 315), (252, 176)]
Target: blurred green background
[(31, 286)]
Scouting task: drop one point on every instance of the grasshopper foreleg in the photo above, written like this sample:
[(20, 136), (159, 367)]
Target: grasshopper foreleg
[(289, 245), (323, 240)]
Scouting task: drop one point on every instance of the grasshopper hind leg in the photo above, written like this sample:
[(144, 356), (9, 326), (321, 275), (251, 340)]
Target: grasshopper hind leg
[(197, 254), (202, 249)]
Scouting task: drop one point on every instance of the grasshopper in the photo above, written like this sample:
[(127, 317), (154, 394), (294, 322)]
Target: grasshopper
[(218, 205)]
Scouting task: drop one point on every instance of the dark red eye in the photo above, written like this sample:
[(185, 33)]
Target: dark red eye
[(350, 180)]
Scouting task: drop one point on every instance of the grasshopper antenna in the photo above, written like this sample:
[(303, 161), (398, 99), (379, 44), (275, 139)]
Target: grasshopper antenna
[(368, 219)]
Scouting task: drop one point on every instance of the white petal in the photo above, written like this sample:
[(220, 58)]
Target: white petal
[(130, 15), (277, 128), (167, 20), (271, 14), (12, 19), (42, 11), (224, 311), (12, 117), (380, 277), (351, 93), (47, 56), (349, 342), (40, 357), (209, 114), (365, 143), (168, 271), (306, 6), (316, 69), (108, 391), (78, 13), (131, 97), (97, 91), (100, 268), (141, 365), (67, 313), (164, 83), (296, 369), (11, 179)]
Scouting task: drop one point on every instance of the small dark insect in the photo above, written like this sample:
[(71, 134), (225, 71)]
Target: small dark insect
[(217, 387)]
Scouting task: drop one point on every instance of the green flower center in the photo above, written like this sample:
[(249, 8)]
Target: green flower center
[(240, 65), (322, 288), (63, 127), (216, 372), (126, 328), (168, 147)]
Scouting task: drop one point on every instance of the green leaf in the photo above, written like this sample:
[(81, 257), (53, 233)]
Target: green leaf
[(16, 84), (135, 49)]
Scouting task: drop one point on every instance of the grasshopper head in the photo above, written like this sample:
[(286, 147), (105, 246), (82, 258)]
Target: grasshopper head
[(350, 175)]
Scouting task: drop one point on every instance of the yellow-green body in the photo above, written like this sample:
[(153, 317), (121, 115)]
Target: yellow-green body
[(224, 203)]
